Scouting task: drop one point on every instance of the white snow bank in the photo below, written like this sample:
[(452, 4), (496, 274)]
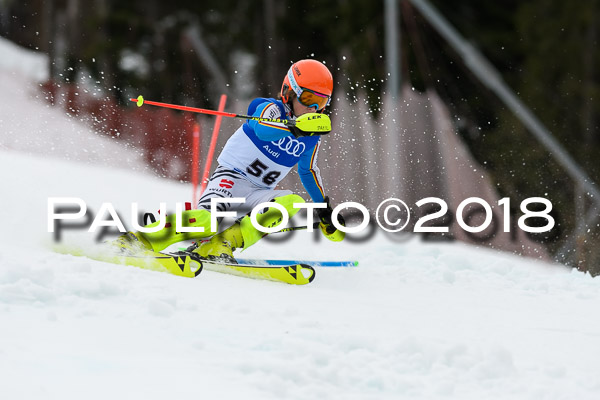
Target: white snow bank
[(25, 63), (31, 125)]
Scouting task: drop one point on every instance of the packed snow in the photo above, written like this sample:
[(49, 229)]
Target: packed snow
[(413, 320)]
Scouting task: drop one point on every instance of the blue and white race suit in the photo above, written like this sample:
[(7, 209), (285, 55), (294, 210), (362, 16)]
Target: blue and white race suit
[(259, 155)]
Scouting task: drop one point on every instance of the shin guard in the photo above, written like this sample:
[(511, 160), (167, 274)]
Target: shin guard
[(271, 217)]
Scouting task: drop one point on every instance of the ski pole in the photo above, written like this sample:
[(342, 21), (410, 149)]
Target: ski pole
[(315, 225), (298, 228), (140, 101)]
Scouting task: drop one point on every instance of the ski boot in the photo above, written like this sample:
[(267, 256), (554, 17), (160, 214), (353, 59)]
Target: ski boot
[(221, 247), (167, 236), (243, 234), (132, 243)]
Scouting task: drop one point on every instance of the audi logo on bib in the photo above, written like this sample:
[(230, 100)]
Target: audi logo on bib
[(290, 145)]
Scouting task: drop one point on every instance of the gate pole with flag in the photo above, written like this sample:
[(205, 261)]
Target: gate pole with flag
[(211, 149), (195, 161)]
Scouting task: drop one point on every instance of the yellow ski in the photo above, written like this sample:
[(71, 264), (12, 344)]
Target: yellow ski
[(190, 265), (296, 274), (180, 265)]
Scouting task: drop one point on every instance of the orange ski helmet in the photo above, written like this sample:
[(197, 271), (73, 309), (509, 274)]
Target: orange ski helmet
[(311, 81)]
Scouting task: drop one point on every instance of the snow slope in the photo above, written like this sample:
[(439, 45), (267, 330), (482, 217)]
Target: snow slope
[(414, 321)]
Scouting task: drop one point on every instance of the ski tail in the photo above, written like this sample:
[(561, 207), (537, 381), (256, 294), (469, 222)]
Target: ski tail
[(180, 264)]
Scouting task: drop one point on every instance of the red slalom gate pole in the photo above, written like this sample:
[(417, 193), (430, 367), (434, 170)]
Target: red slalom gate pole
[(195, 161), (213, 142)]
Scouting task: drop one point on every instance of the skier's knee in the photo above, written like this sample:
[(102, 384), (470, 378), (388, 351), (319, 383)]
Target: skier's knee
[(199, 221), (288, 202), (270, 218)]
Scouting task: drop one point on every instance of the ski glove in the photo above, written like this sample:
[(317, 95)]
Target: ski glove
[(310, 124), (326, 223), (299, 133)]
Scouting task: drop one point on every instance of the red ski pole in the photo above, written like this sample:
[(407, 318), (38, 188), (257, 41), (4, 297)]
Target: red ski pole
[(140, 101)]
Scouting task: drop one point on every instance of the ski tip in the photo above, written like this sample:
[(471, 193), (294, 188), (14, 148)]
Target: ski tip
[(140, 100)]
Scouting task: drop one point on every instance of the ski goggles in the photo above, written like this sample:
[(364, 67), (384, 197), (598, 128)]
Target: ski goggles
[(307, 97), (310, 98)]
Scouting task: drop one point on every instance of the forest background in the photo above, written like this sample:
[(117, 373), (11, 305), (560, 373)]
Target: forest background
[(545, 50)]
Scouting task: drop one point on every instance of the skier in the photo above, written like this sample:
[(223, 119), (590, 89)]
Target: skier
[(254, 160)]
